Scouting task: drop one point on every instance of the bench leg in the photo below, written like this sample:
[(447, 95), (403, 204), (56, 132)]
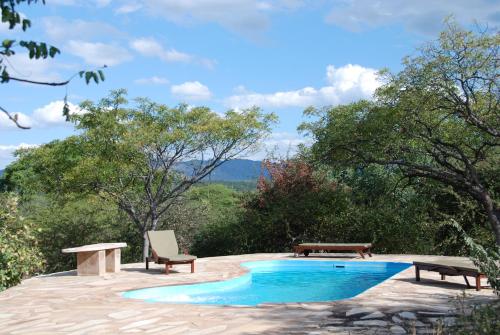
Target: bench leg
[(467, 281), (417, 273), (91, 263), (113, 260), (478, 283), (192, 267), (147, 263), (167, 266), (443, 277)]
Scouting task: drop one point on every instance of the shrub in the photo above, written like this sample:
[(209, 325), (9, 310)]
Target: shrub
[(19, 253)]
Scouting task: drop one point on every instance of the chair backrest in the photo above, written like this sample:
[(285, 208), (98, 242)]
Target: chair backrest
[(163, 242)]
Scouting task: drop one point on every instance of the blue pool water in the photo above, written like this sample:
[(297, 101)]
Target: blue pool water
[(279, 282)]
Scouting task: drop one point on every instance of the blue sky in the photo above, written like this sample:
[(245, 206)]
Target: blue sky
[(281, 55)]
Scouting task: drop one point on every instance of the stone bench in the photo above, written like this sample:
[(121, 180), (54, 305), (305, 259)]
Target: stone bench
[(97, 259)]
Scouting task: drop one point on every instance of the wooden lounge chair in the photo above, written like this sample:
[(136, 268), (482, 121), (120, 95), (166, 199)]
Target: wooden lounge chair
[(307, 248), (451, 268), (165, 250)]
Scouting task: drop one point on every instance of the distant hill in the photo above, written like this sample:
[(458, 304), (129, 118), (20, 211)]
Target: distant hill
[(233, 170)]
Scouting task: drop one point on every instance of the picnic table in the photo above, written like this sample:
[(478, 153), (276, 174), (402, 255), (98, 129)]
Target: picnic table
[(97, 259)]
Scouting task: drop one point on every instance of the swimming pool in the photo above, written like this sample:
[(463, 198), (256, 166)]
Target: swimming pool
[(279, 281)]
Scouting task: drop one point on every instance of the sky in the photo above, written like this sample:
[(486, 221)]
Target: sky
[(280, 55)]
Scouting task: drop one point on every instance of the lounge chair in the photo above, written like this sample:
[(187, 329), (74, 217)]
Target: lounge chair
[(307, 248), (165, 250), (451, 268)]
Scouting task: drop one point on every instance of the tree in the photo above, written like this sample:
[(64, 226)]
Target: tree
[(36, 50), (438, 118), (130, 154)]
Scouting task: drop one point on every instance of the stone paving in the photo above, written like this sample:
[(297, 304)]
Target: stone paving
[(63, 303)]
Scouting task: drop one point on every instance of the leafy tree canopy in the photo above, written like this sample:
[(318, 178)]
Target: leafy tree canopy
[(438, 118)]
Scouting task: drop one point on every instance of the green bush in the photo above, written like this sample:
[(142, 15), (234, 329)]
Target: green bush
[(78, 221), (19, 253)]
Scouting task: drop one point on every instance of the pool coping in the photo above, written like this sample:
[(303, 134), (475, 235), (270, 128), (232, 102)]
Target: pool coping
[(246, 271), (65, 303)]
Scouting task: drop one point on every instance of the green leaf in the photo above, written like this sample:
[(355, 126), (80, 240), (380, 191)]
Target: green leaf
[(53, 51), (101, 74), (88, 77)]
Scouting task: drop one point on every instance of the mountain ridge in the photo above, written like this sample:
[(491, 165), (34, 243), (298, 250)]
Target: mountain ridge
[(231, 170)]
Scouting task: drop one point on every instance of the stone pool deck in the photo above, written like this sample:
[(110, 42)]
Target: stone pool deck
[(66, 304)]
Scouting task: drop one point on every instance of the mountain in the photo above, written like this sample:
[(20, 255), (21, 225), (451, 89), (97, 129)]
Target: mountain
[(232, 170)]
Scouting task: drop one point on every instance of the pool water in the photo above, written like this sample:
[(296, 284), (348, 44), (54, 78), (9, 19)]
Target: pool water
[(282, 281)]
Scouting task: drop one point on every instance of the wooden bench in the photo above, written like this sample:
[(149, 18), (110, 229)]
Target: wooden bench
[(306, 248), (451, 268), (97, 259)]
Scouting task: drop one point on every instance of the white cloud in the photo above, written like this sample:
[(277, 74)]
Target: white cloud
[(345, 84), (128, 8), (49, 115), (59, 29), (21, 66), (278, 145), (191, 90), (152, 48), (423, 16), (152, 80), (6, 123), (245, 16), (98, 3), (7, 152), (98, 54), (102, 3)]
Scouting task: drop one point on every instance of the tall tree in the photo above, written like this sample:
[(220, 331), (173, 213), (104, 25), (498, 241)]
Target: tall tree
[(130, 154), (36, 50), (438, 118)]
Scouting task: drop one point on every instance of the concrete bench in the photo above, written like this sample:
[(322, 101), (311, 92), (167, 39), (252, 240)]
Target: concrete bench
[(97, 259)]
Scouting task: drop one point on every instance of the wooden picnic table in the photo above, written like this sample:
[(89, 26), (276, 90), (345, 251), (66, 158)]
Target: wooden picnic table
[(97, 259)]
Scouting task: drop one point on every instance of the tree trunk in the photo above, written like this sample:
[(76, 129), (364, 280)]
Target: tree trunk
[(493, 216), (145, 247)]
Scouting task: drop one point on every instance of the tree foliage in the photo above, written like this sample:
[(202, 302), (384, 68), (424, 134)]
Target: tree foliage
[(438, 119), (35, 50), (19, 253), (128, 156)]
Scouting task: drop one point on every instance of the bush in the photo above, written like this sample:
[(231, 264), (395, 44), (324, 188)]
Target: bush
[(478, 320), (19, 253), (78, 221)]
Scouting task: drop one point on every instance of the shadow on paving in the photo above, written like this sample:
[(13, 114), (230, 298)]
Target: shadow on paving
[(414, 315)]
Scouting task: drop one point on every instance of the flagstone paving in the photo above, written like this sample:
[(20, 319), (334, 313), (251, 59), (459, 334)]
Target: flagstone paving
[(66, 304)]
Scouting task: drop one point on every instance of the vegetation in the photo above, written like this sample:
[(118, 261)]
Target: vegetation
[(19, 253), (437, 119), (36, 50), (394, 171)]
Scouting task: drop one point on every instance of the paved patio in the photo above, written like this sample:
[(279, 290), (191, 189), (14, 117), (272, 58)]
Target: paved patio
[(64, 303)]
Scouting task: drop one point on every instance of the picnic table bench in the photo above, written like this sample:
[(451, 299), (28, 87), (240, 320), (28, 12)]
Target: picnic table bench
[(97, 259)]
